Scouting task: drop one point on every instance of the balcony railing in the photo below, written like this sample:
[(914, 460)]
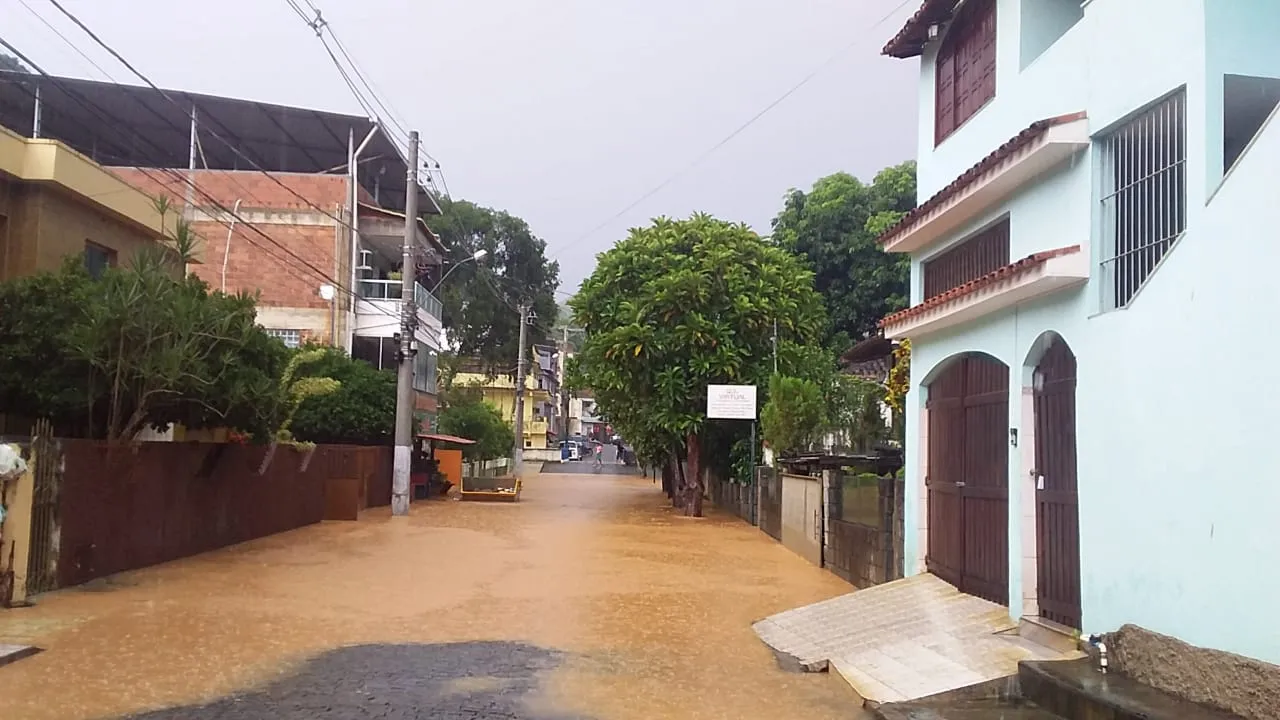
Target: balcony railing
[(427, 301), (391, 289)]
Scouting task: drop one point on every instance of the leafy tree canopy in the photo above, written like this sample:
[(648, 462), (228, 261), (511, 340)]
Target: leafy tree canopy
[(139, 346), (357, 408), (467, 415), (834, 227), (479, 298), (682, 304), (794, 415), (12, 64)]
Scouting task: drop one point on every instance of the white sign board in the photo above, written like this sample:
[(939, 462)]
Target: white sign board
[(731, 402)]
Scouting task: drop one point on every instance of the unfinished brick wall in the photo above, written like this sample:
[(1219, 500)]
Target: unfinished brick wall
[(240, 259)]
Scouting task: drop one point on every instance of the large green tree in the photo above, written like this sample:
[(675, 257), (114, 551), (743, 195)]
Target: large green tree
[(834, 227), (680, 305), (480, 298), (139, 346), (467, 415), (360, 409)]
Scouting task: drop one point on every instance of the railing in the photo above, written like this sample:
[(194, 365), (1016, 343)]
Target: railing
[(427, 301), (391, 289)]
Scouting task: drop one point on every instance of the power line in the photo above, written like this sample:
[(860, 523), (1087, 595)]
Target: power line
[(230, 146), (181, 178), (320, 25), (70, 44), (736, 132)]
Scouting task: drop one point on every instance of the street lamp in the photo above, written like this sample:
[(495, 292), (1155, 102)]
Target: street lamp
[(476, 256)]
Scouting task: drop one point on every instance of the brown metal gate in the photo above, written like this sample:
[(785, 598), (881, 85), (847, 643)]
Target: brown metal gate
[(42, 561), (1057, 500), (968, 479), (770, 484)]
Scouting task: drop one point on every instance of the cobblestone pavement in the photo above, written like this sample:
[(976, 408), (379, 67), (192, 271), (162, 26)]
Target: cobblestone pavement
[(458, 681), (590, 599)]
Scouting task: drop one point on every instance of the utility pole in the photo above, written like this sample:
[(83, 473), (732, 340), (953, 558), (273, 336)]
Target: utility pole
[(404, 376), (517, 452), (564, 390)]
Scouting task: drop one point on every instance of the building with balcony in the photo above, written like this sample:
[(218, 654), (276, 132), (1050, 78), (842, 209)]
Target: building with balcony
[(541, 417), (1091, 266), (56, 203), (301, 207)]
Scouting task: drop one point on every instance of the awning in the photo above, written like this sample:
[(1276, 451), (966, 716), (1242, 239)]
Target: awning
[(446, 438)]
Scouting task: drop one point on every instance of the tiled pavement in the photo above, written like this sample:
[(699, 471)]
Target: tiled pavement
[(13, 653), (904, 640)]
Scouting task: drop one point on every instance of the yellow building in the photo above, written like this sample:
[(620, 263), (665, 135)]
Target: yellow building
[(56, 203), (542, 394), (500, 392)]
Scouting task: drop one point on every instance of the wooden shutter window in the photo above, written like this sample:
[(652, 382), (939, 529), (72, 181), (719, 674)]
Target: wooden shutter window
[(965, 69), (983, 253)]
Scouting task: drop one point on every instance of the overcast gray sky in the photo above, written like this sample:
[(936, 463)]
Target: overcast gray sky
[(563, 112)]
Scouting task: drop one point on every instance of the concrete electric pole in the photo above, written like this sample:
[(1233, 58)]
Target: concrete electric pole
[(517, 452), (564, 390), (404, 376)]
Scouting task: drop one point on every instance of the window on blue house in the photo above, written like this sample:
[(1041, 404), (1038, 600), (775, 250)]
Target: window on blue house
[(1144, 195), (1043, 22), (1247, 103)]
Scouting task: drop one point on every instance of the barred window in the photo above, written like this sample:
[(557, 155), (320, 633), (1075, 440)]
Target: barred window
[(290, 338), (1144, 196)]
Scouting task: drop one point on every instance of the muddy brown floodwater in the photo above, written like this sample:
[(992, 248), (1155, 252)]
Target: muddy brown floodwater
[(649, 613)]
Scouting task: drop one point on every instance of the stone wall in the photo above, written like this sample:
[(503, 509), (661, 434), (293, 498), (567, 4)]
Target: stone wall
[(1234, 683)]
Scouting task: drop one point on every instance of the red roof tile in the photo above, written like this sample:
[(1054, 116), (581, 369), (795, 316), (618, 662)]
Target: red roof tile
[(911, 39), (1033, 132), (1010, 271)]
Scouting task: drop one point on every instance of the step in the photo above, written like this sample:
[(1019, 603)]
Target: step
[(991, 709), (14, 653), (1049, 634), (1076, 690)]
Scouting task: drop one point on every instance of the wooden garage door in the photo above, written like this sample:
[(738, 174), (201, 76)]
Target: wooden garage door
[(968, 480), (1057, 501)]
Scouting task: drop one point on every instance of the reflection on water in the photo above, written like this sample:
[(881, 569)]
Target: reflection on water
[(652, 610)]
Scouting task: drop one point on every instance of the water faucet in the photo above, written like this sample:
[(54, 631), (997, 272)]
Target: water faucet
[(1097, 641)]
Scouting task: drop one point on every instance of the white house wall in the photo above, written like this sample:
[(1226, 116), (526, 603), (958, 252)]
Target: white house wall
[(1176, 407)]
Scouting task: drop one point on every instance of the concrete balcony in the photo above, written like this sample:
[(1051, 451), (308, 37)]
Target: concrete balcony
[(378, 311)]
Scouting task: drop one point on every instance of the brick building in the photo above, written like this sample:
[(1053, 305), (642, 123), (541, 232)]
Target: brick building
[(300, 207)]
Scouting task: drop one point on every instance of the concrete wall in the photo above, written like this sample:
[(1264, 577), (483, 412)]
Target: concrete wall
[(1176, 504), (46, 224)]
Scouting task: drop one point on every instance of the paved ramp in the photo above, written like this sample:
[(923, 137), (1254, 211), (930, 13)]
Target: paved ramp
[(904, 640)]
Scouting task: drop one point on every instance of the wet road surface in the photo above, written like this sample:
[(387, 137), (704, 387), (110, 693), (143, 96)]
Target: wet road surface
[(588, 599)]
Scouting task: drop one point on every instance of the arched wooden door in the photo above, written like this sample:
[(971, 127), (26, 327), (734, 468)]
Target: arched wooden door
[(1057, 500), (968, 479)]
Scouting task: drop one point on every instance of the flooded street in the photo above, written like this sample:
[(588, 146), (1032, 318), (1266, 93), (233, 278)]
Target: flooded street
[(588, 599)]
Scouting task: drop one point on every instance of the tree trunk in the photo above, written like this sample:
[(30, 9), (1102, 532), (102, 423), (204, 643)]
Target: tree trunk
[(677, 472), (668, 480), (693, 489)]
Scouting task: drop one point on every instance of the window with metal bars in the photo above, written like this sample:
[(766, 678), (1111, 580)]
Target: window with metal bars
[(1144, 196), (985, 252), (965, 69)]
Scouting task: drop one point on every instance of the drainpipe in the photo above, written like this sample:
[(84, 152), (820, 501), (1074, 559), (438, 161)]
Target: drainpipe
[(353, 173), (226, 252), (35, 120)]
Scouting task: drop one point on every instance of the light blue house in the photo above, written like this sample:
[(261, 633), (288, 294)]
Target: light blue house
[(1094, 419)]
